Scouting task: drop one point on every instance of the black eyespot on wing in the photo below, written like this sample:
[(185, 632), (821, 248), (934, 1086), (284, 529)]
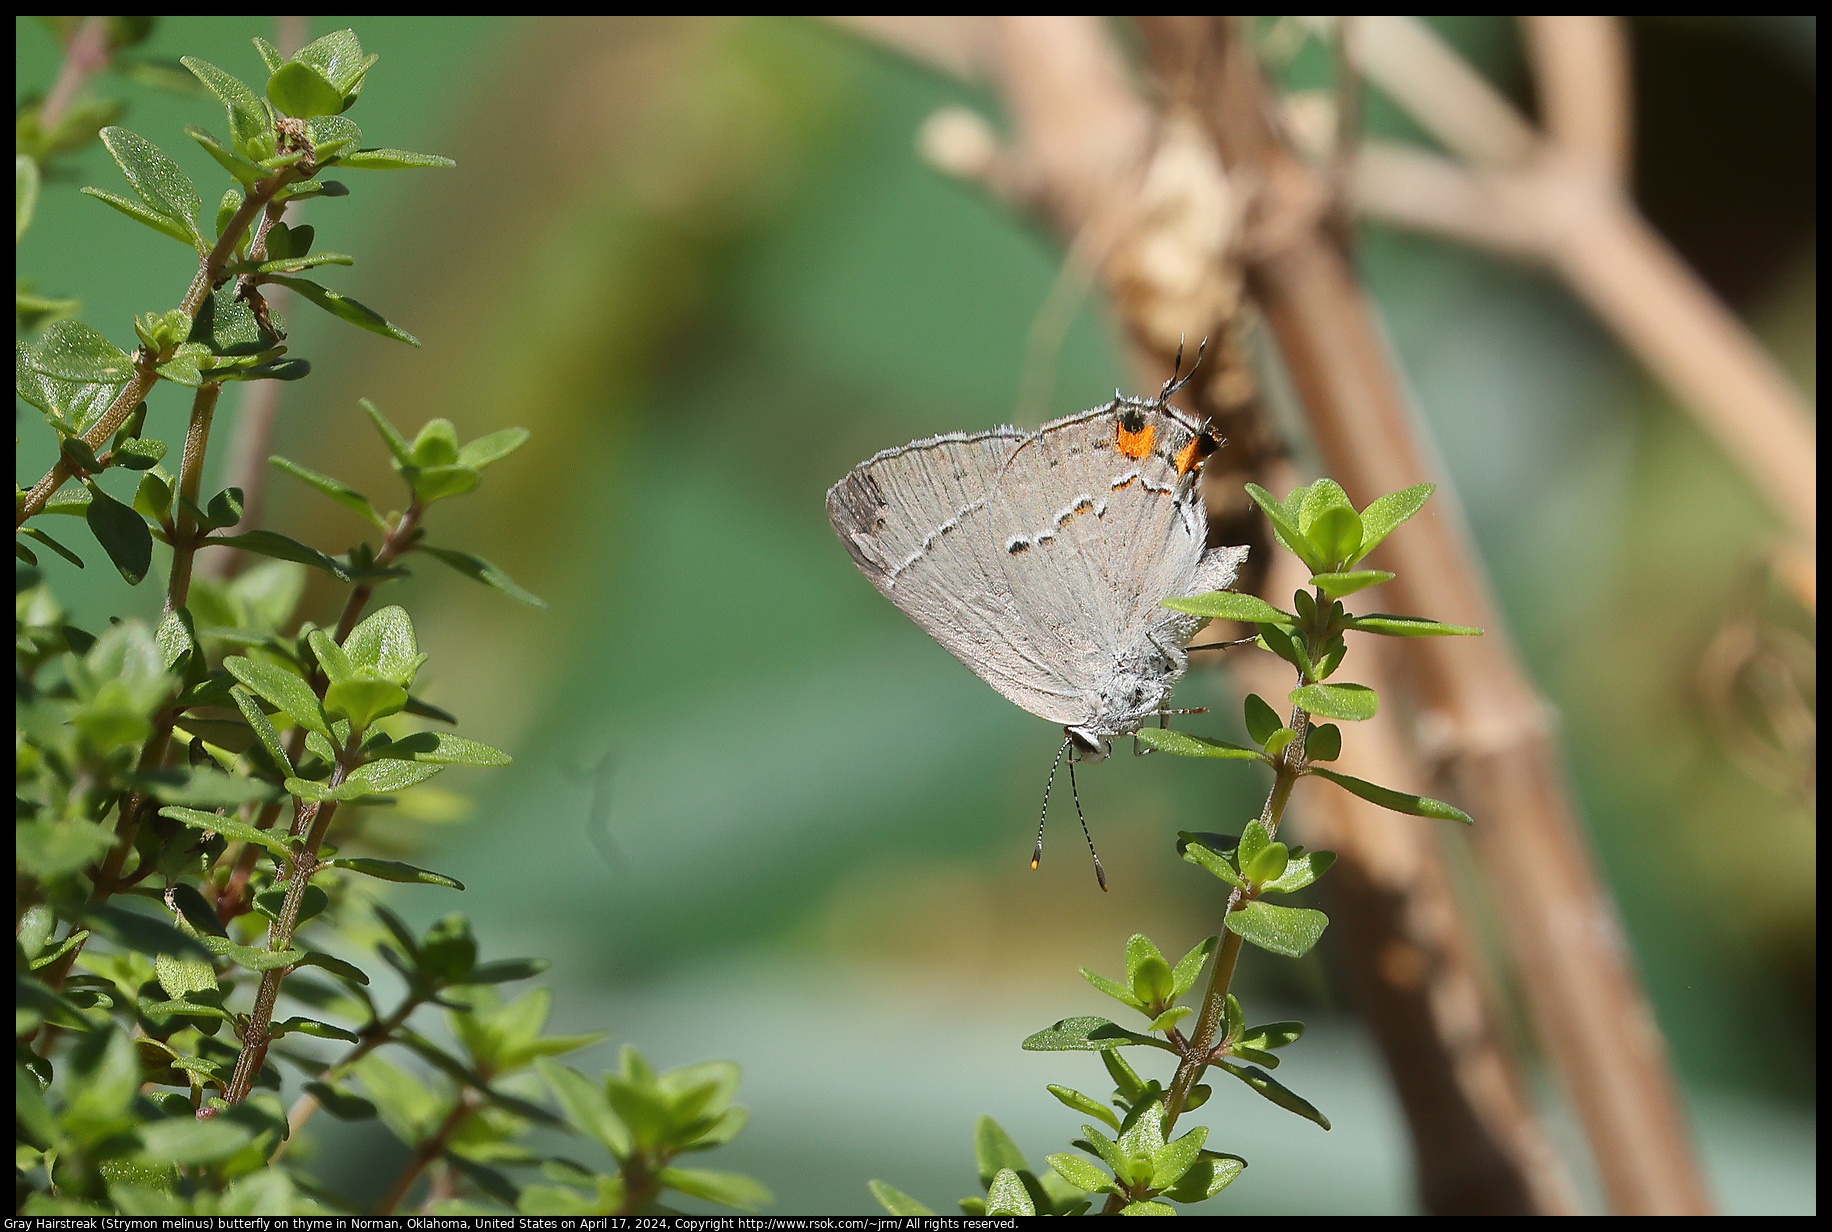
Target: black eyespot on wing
[(1018, 545), (1132, 421)]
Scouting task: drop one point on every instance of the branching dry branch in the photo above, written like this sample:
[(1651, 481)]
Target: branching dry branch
[(1561, 199), (1073, 109), (1480, 718), (1172, 268), (1449, 99), (1581, 65)]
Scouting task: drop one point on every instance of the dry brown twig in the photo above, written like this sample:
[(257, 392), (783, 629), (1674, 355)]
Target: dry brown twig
[(1413, 960), (1560, 198), (1479, 717), (1082, 140), (86, 54)]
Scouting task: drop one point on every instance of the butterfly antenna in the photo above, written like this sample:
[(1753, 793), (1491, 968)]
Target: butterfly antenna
[(1100, 874), (1037, 855), (1178, 379)]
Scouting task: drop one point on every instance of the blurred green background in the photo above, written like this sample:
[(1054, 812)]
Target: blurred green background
[(755, 813)]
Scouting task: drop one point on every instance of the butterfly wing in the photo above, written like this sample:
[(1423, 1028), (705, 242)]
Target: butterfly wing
[(917, 522), (1042, 561), (1102, 519)]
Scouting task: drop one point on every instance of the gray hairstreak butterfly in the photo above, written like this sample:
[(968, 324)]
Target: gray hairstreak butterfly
[(1041, 560)]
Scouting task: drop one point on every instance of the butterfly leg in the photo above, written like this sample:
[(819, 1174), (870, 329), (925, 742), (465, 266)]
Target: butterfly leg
[(1164, 721), (1239, 641), (1173, 655)]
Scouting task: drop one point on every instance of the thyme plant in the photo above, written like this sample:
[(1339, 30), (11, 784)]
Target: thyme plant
[(1132, 1160), (195, 854)]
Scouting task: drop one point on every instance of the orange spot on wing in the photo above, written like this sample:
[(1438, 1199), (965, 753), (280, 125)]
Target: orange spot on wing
[(1191, 455), (1135, 444)]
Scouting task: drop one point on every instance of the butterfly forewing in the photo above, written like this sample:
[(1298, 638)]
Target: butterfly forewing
[(916, 521)]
